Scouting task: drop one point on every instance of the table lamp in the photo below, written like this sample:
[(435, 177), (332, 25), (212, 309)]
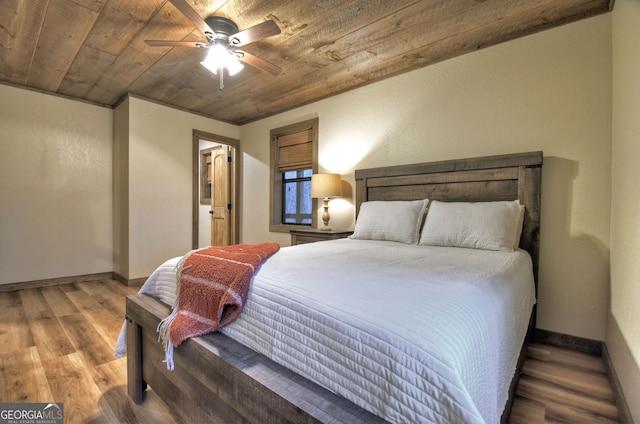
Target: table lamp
[(324, 186)]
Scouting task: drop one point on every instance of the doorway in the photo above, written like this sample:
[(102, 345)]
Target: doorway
[(215, 193)]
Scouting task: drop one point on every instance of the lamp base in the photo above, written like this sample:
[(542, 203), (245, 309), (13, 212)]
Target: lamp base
[(325, 215)]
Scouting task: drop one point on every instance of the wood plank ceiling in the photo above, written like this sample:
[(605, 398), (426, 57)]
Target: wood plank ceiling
[(94, 50)]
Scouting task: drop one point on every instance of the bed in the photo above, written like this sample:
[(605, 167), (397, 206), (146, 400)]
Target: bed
[(219, 379)]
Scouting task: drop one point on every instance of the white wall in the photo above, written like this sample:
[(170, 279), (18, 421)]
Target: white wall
[(623, 335), (160, 182), (63, 209), (55, 187), (549, 91)]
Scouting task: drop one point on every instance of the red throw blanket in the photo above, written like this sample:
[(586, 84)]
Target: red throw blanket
[(213, 287)]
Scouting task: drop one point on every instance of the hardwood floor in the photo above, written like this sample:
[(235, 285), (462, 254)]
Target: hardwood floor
[(57, 343), (562, 386)]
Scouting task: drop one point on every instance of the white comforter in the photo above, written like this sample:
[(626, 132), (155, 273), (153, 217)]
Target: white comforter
[(410, 333)]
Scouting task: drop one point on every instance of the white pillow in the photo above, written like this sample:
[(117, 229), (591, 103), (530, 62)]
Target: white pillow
[(390, 220), (479, 225)]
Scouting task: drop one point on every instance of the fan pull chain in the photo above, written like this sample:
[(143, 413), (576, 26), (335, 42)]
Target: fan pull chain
[(221, 78)]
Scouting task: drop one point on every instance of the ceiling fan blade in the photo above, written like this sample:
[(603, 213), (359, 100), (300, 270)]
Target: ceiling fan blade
[(162, 43), (188, 11), (257, 62), (254, 33)]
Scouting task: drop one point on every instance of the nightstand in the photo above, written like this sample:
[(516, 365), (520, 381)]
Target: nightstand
[(311, 235)]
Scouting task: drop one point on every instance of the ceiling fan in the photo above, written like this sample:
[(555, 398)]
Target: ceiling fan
[(223, 38)]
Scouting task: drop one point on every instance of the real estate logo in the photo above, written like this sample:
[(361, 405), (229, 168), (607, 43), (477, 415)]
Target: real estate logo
[(31, 413)]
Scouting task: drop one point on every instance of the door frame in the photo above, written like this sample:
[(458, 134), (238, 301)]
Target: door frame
[(235, 178)]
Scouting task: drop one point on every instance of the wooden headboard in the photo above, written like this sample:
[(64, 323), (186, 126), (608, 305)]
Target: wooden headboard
[(504, 177)]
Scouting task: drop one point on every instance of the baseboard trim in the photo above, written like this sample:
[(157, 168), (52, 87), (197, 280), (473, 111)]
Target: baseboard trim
[(578, 344), (134, 282), (618, 394), (54, 281)]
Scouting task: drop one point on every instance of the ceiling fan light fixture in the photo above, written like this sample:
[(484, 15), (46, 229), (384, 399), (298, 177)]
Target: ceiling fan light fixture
[(223, 36), (220, 56)]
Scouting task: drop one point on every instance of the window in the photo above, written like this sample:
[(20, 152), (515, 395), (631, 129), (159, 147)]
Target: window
[(297, 202), (205, 176), (294, 152)]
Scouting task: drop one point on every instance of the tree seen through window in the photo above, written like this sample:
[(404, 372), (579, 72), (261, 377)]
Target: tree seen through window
[(297, 201)]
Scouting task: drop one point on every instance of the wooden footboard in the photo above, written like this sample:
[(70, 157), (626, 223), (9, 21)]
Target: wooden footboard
[(218, 380)]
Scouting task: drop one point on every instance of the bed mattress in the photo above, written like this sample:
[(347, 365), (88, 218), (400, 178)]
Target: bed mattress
[(410, 333)]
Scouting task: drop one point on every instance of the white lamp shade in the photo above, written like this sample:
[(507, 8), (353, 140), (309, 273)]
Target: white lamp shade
[(326, 185), (233, 65)]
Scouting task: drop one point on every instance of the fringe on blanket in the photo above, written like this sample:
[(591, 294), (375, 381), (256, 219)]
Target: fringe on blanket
[(163, 327)]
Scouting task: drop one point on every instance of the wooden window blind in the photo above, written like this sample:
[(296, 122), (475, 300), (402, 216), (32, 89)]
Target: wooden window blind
[(295, 151)]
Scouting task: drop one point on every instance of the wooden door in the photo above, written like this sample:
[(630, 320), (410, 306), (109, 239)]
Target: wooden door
[(221, 196)]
